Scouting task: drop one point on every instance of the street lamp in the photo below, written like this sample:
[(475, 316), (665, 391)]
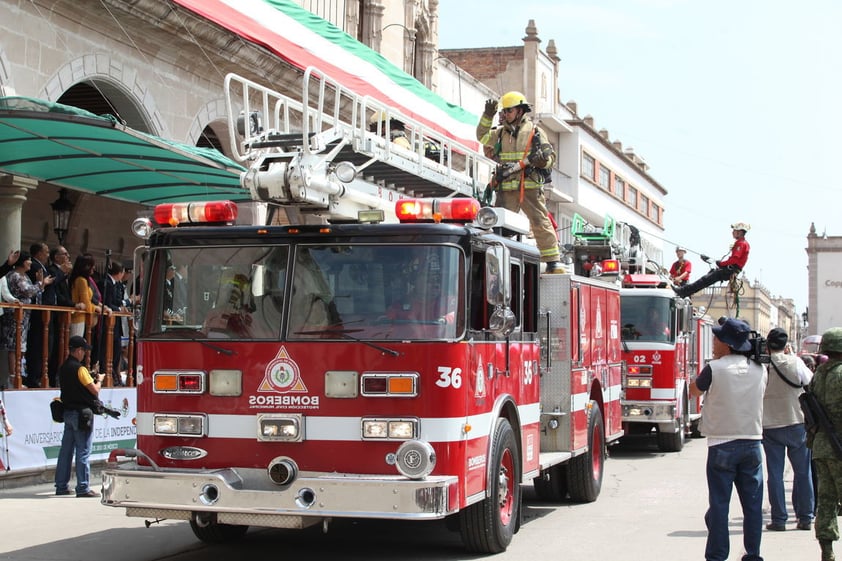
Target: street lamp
[(62, 207)]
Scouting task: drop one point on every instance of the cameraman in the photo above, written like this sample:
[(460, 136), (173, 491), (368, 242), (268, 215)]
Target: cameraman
[(784, 434), (79, 393), (732, 419)]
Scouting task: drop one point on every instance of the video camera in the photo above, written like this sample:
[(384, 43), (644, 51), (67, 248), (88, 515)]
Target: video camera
[(99, 408), (759, 351)]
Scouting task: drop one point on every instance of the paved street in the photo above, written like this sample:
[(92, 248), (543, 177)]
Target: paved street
[(651, 509)]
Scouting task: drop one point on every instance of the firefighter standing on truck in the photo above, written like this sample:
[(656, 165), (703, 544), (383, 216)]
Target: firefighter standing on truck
[(525, 157)]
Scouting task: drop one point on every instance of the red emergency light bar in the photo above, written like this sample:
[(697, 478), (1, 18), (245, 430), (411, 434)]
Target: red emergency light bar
[(212, 212), (643, 280), (462, 209), (610, 267)]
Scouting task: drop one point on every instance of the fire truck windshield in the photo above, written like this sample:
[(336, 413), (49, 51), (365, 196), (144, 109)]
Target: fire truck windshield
[(648, 318), (302, 292)]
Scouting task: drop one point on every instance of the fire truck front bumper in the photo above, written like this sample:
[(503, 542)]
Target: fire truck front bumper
[(246, 497), (648, 412)]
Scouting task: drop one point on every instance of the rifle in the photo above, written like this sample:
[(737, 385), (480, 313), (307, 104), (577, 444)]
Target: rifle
[(815, 418)]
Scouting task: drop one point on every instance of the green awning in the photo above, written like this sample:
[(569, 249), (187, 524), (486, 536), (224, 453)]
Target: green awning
[(76, 149)]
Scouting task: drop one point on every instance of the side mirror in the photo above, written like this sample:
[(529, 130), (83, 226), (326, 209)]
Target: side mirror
[(498, 280)]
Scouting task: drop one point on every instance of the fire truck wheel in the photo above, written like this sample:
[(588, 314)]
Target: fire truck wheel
[(552, 485), (209, 530), (671, 441), (585, 470), (488, 526)]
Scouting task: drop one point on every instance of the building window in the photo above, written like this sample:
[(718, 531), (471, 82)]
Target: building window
[(588, 166), (631, 197), (619, 187), (644, 205), (604, 177), (656, 214)]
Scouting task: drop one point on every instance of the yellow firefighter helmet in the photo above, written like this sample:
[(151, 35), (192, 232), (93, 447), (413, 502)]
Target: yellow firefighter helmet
[(382, 116), (514, 99)]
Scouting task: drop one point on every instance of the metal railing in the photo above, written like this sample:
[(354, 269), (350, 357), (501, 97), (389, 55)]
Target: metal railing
[(61, 339)]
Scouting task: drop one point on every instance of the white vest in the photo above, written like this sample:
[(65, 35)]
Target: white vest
[(780, 405), (733, 406)]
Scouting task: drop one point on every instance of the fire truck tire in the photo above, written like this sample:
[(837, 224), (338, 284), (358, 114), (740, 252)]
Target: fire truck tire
[(584, 475), (551, 487), (488, 526), (671, 441), (210, 531)]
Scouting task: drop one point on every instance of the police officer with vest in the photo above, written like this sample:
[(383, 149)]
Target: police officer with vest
[(79, 394), (827, 385), (526, 157)]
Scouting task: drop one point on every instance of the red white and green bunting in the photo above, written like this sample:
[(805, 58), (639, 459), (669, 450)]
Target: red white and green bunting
[(303, 39)]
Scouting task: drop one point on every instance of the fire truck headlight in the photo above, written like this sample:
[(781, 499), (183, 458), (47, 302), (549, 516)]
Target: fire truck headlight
[(285, 428), (375, 429), (640, 382), (179, 425), (416, 459), (142, 228), (392, 429), (226, 383), (193, 426), (166, 425)]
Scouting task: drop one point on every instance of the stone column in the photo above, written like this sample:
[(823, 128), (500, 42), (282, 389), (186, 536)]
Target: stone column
[(13, 191)]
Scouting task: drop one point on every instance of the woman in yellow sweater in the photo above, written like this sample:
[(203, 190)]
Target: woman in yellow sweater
[(82, 294)]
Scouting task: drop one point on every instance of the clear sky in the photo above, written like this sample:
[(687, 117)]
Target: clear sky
[(734, 104)]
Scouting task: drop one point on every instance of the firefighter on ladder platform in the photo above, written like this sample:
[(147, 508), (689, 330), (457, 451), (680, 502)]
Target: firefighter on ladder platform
[(526, 158), (735, 263)]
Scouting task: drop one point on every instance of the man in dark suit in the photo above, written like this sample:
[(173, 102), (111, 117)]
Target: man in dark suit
[(35, 336), (113, 296), (57, 294)]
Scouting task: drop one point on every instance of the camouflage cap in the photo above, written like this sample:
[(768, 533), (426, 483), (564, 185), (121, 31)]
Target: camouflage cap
[(832, 340)]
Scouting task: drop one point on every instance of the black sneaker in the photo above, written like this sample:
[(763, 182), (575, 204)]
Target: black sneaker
[(776, 527), (91, 493), (62, 492)]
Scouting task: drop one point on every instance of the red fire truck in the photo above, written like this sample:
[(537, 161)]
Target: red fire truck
[(416, 370), (665, 340)]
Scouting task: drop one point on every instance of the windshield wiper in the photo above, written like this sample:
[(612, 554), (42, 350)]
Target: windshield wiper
[(346, 334), (190, 332)]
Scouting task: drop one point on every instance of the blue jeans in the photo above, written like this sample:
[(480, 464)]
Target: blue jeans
[(792, 441), (738, 463), (79, 442)]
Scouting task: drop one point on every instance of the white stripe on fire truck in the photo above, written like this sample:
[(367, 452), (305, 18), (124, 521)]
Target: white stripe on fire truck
[(433, 429), (661, 393), (578, 401)]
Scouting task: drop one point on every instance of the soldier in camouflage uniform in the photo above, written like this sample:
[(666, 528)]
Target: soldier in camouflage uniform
[(827, 385)]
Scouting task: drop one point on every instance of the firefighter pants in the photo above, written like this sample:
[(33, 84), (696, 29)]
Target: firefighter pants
[(535, 208)]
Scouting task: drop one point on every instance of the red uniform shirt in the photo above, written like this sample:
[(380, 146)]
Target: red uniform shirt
[(739, 254)]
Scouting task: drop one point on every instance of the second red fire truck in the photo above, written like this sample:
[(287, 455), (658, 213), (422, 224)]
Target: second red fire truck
[(348, 367), (666, 341)]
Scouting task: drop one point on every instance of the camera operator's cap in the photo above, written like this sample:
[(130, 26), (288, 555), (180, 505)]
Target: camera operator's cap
[(776, 339), (77, 341), (734, 333), (744, 226)]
